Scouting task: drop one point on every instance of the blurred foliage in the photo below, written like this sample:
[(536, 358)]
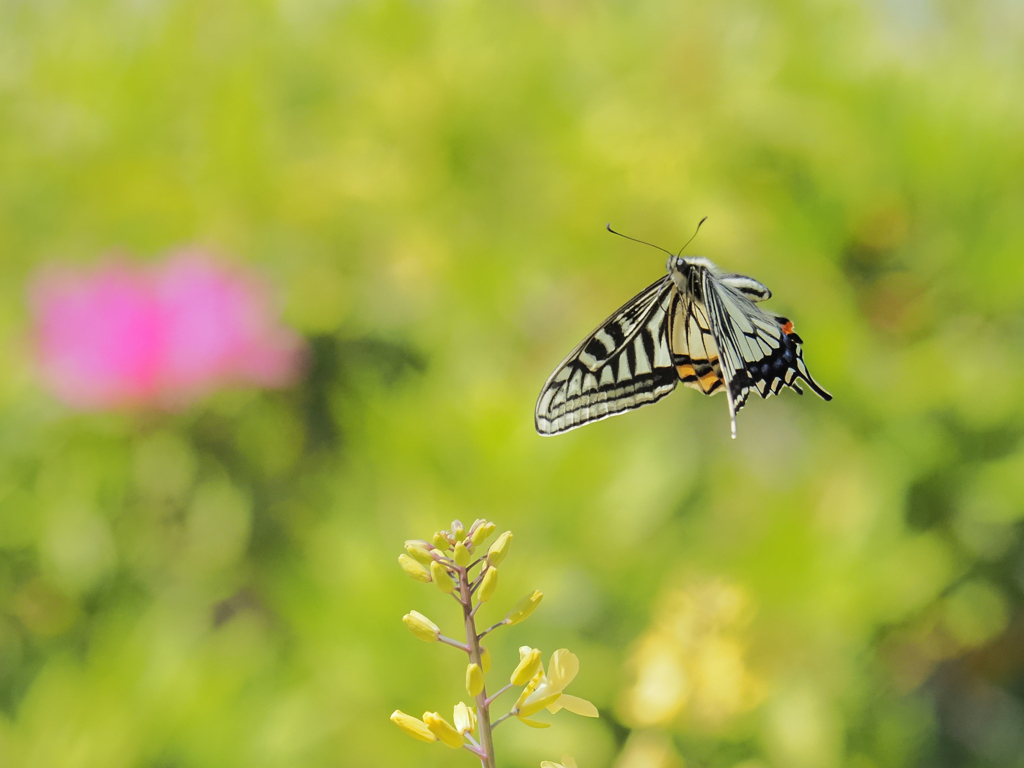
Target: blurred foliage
[(427, 183)]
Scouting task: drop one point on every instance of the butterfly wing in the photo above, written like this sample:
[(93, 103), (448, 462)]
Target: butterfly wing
[(757, 350), (624, 364), (693, 346)]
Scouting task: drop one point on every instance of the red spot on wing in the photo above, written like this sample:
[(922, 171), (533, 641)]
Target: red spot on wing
[(788, 327)]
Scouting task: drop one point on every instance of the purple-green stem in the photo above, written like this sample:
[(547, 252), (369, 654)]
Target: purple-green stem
[(493, 627), (453, 643), (504, 717), (472, 647), (491, 699)]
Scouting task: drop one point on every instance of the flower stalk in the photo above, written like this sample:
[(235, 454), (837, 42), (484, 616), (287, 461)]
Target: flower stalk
[(450, 561), (473, 640)]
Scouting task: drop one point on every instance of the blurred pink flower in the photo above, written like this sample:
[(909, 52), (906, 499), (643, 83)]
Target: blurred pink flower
[(165, 335)]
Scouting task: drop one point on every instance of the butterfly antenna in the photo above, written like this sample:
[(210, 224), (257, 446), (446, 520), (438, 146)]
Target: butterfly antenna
[(691, 236), (644, 242)]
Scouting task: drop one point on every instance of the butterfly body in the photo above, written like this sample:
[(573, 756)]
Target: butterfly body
[(697, 326)]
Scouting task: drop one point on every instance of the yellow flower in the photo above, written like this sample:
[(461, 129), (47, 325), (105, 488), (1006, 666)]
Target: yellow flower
[(499, 548), (481, 533), (419, 551), (462, 555), (413, 569), (545, 691), (567, 762), (414, 727), (441, 578), (524, 608), (465, 718), (474, 679), (529, 665), (421, 626), (443, 730), (485, 659), (488, 585)]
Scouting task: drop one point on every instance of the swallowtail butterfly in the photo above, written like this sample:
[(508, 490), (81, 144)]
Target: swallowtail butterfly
[(697, 325)]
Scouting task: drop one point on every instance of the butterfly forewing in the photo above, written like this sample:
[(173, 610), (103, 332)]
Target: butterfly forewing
[(625, 363)]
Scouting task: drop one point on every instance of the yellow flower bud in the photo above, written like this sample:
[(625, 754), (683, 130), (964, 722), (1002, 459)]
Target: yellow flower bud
[(415, 728), (443, 730), (420, 552), (485, 659), (534, 707), (529, 665), (465, 718), (414, 569), (421, 626), (458, 530), (488, 585), (441, 578), (524, 608), (474, 680), (441, 541), (499, 548), (462, 556), (481, 533)]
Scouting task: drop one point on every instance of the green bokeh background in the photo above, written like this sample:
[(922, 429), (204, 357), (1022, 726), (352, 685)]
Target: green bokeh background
[(427, 184)]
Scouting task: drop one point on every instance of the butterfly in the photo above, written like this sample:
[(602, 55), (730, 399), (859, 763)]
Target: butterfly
[(697, 325)]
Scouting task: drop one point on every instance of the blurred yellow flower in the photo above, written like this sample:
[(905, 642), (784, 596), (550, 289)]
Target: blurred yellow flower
[(692, 659), (567, 762), (653, 748)]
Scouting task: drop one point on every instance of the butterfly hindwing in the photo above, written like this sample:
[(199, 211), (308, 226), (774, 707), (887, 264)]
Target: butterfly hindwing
[(693, 347), (757, 350), (625, 363)]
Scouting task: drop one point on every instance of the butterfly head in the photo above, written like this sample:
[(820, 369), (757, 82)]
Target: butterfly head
[(683, 265)]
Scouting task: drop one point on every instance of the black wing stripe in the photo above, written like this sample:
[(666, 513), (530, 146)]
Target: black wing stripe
[(623, 364)]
